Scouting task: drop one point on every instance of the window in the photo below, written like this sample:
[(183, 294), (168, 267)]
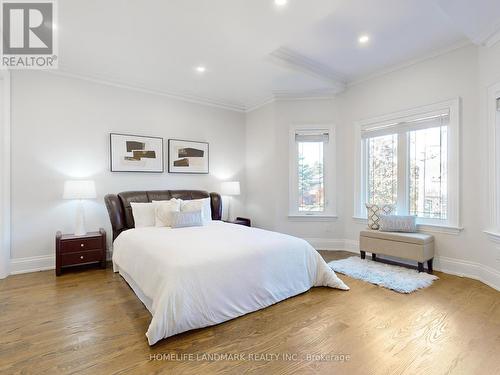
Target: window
[(310, 176), (311, 162), (382, 176), (410, 160), (428, 172)]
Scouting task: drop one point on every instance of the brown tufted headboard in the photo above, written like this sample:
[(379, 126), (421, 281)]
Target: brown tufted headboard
[(120, 212)]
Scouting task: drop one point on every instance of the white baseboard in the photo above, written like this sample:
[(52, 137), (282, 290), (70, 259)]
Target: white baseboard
[(36, 264), (473, 270), (452, 266), (32, 264)]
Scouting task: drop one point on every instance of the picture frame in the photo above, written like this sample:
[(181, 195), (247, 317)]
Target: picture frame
[(136, 153), (188, 157)]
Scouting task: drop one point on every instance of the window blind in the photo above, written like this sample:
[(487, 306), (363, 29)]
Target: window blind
[(429, 120), (312, 136)]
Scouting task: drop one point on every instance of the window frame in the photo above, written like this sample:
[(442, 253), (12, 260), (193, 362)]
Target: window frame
[(329, 170), (493, 231), (452, 223)]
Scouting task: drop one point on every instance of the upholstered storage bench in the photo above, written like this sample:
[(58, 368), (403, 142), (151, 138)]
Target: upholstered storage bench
[(413, 246)]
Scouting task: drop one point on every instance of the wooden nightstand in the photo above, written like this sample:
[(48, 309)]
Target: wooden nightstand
[(74, 250), (241, 221)]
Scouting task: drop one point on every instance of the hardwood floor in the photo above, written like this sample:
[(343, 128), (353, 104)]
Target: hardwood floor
[(90, 322)]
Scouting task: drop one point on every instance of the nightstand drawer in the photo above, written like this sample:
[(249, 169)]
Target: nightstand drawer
[(84, 244), (81, 257)]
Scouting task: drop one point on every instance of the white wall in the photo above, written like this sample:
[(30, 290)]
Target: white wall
[(261, 167), (445, 77), (4, 171), (489, 75), (452, 75), (267, 172), (60, 130)]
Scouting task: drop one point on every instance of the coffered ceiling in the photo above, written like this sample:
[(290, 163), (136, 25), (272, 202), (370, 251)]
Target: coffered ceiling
[(253, 50)]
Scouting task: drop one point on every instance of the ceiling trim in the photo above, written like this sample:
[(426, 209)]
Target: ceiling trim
[(279, 95), (488, 37), (492, 39), (406, 64), (291, 59), (196, 99), (260, 103)]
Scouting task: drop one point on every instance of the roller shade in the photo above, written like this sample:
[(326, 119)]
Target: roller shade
[(319, 135), (430, 120)]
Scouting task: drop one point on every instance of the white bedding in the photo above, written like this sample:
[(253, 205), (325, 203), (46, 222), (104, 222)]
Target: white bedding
[(200, 276)]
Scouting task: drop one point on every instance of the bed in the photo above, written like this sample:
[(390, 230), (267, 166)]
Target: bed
[(194, 277)]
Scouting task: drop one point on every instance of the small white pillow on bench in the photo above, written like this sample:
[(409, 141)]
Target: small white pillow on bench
[(397, 223), (375, 211)]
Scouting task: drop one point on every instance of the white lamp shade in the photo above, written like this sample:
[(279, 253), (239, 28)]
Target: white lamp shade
[(79, 190), (230, 188)]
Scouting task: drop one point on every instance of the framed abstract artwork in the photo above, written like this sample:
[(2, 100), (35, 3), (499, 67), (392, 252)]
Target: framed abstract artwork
[(136, 153), (187, 156)]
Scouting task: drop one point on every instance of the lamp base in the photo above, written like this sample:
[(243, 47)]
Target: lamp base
[(80, 220)]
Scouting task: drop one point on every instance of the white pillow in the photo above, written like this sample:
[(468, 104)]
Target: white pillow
[(198, 204), (144, 214), (164, 210), (187, 219), (397, 223), (374, 213)]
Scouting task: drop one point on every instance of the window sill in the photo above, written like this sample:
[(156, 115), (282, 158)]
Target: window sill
[(437, 228), (493, 236), (360, 219), (303, 217), (433, 228)]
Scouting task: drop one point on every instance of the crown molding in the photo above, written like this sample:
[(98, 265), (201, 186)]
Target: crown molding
[(492, 39), (196, 99), (291, 59), (488, 36), (283, 95), (306, 95), (260, 103), (408, 63)]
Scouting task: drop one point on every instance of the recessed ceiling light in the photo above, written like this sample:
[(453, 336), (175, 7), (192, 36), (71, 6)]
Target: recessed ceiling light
[(201, 69), (363, 39), (280, 3)]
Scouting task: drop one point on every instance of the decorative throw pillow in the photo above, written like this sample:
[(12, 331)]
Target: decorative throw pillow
[(187, 219), (198, 204), (374, 213), (398, 223), (144, 214), (164, 210)]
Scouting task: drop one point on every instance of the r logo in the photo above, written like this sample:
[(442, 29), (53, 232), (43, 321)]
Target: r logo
[(27, 28)]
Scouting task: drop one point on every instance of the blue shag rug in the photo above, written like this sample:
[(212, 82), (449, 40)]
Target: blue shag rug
[(399, 279)]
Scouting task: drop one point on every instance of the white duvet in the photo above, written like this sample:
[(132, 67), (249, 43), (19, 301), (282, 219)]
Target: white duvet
[(200, 276)]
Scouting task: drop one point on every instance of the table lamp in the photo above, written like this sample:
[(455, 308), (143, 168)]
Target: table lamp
[(230, 189), (80, 190)]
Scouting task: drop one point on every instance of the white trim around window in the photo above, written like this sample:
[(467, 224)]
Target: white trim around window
[(493, 232), (450, 110), (328, 138)]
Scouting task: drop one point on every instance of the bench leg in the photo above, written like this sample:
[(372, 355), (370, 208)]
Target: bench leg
[(429, 265), (363, 254), (420, 267), (374, 257)]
